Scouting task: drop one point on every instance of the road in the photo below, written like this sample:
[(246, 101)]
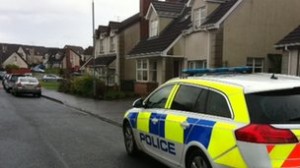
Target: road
[(39, 133)]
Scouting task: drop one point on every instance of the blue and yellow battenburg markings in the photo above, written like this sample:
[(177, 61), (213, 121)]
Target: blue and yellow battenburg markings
[(200, 130)]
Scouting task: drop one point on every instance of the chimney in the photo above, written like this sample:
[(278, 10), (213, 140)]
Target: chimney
[(144, 25), (144, 6)]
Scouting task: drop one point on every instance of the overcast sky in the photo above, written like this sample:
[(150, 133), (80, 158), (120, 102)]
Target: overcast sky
[(54, 23)]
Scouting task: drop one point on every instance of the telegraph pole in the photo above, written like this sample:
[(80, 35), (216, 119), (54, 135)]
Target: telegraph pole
[(94, 50)]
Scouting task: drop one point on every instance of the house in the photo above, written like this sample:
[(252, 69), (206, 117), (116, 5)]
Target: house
[(159, 54), (65, 58), (10, 56), (88, 53), (113, 42), (54, 58), (106, 52), (290, 45), (238, 33), (211, 33), (33, 55), (77, 49)]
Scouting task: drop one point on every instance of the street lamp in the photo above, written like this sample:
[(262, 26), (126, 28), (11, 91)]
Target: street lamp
[(94, 49)]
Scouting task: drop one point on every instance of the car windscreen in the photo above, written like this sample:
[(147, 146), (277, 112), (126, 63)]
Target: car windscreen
[(275, 107)]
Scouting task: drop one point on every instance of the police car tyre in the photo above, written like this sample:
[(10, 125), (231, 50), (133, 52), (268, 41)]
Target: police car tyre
[(129, 141), (197, 159)]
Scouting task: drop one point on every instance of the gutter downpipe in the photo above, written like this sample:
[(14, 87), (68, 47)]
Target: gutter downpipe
[(289, 64), (208, 48), (298, 58)]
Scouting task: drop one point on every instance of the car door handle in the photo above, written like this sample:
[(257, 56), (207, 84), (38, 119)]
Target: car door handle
[(185, 125), (154, 120)]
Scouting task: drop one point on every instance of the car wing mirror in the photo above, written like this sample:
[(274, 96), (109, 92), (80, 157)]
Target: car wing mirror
[(139, 103)]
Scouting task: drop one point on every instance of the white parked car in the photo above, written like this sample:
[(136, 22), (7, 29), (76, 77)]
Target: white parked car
[(51, 77)]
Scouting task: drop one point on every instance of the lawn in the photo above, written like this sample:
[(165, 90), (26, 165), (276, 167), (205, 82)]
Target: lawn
[(50, 85)]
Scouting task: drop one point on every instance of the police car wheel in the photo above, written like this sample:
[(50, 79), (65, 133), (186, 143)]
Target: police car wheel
[(130, 144), (198, 160)]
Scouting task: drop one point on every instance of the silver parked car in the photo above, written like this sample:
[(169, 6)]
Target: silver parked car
[(27, 85), (51, 77), (2, 74)]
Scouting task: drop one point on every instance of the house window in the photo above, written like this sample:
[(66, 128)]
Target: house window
[(257, 64), (153, 71), (199, 16), (142, 67), (197, 64), (112, 44), (16, 58), (146, 70), (153, 28), (101, 46)]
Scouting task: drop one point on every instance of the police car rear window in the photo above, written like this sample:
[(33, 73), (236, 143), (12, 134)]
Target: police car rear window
[(275, 107)]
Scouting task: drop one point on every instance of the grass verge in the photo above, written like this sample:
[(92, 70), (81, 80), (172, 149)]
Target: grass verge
[(50, 85)]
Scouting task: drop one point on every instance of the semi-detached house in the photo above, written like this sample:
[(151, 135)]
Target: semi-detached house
[(113, 42), (239, 33), (211, 33), (159, 56)]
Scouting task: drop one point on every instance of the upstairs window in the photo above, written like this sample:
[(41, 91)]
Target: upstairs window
[(112, 44), (101, 46), (153, 28), (199, 16)]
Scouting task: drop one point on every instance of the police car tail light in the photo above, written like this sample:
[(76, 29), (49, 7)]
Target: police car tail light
[(258, 133)]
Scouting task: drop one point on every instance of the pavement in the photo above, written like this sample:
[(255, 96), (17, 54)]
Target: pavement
[(109, 111)]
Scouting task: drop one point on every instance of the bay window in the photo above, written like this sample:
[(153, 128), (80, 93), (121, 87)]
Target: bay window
[(146, 70)]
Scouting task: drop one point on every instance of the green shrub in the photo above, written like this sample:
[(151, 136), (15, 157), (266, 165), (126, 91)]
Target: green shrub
[(65, 86), (11, 67), (83, 86), (53, 71)]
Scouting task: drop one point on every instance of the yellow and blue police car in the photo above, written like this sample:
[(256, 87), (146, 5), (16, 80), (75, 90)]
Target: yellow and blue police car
[(219, 119)]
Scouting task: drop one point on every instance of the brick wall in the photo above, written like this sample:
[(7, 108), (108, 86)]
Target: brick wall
[(143, 89)]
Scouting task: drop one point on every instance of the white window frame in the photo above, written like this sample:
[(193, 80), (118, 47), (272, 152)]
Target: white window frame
[(153, 27), (146, 70), (141, 69), (112, 44), (197, 64), (256, 63), (199, 16)]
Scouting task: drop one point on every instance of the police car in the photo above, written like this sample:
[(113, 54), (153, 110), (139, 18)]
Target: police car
[(219, 119)]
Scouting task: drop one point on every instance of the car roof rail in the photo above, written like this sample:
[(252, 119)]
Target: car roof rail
[(218, 71)]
